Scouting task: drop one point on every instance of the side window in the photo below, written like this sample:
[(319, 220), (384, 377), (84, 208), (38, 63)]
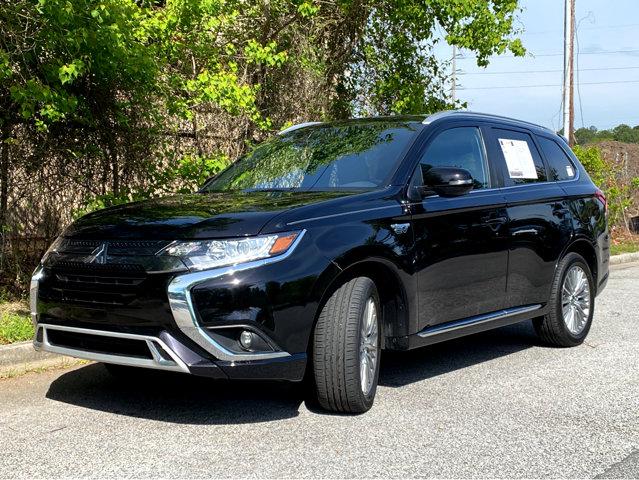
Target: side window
[(459, 147), (561, 168), (523, 164)]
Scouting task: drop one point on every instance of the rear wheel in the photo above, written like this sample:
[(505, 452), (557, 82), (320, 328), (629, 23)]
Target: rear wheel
[(346, 348), (571, 304)]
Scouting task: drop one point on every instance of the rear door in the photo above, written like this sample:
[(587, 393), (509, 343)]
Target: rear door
[(461, 244), (538, 220)]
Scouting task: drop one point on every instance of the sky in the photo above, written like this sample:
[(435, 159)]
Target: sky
[(604, 28)]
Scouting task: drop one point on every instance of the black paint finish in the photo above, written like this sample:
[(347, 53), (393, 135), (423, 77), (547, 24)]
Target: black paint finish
[(435, 259)]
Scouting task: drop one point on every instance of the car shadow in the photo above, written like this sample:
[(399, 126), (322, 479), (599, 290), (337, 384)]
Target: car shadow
[(402, 368), (178, 398)]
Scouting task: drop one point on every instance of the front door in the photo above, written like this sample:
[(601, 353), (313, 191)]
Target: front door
[(461, 244)]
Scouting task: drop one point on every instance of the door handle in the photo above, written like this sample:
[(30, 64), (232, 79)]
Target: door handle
[(523, 231), (494, 220)]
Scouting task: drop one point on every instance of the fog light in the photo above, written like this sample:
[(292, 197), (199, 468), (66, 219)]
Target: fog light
[(246, 339)]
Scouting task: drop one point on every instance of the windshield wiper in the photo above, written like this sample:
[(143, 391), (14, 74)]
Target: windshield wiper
[(290, 189)]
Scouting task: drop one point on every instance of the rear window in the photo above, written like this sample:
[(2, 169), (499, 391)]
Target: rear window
[(561, 168), (523, 163)]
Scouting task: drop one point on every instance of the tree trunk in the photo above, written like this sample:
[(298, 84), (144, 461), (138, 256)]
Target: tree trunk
[(4, 173)]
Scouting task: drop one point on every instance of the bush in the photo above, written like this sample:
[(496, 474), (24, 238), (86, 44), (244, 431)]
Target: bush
[(618, 193), (15, 324)]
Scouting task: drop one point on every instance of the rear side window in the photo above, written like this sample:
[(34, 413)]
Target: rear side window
[(561, 168), (523, 164), (459, 147)]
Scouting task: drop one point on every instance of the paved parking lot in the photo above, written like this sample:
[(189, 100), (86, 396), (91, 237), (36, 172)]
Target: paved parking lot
[(492, 405)]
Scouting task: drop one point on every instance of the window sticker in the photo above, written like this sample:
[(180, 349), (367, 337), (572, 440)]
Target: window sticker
[(570, 171), (519, 160)]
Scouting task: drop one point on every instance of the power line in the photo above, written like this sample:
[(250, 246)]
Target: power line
[(602, 27), (602, 52), (533, 55), (547, 85), (546, 71)]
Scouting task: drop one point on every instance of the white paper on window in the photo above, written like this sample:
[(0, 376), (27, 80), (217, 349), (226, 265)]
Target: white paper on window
[(570, 171), (519, 160)]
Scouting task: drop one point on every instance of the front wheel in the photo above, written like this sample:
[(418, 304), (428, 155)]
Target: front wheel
[(346, 348), (571, 304)]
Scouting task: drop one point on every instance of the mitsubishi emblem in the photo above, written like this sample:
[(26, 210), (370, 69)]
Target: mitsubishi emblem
[(99, 254)]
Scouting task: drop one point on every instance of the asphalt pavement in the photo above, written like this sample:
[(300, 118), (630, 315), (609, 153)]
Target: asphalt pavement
[(496, 404)]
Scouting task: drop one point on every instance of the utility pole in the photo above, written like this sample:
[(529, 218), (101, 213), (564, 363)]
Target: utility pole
[(569, 33), (454, 75)]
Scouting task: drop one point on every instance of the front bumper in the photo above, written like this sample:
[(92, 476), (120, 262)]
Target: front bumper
[(162, 352), (163, 328)]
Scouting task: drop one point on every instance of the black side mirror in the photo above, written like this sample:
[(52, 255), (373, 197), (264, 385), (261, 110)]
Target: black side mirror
[(447, 181)]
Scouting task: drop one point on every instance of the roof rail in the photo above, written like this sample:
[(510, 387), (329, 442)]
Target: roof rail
[(446, 113), (295, 127)]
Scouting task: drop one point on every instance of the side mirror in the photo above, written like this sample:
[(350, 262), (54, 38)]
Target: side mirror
[(447, 181)]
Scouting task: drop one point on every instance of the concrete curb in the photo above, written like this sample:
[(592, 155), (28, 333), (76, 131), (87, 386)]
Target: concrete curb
[(21, 357), (624, 258)]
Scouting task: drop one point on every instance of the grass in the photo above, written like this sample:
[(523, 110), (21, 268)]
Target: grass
[(627, 246), (15, 323)]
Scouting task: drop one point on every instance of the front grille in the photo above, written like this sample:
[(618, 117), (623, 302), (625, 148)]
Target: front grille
[(97, 284), (114, 247), (100, 344)]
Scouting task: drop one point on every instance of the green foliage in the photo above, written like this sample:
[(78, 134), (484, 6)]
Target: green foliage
[(190, 171), (627, 246), (396, 71), (15, 324), (620, 133), (108, 82), (619, 196)]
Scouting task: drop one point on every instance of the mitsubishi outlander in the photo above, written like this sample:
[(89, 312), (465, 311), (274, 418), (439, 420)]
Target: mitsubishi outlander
[(330, 243)]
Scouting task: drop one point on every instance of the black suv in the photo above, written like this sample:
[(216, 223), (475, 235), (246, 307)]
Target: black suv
[(332, 242)]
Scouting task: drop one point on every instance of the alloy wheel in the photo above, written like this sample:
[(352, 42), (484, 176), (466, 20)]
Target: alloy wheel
[(368, 352), (575, 299)]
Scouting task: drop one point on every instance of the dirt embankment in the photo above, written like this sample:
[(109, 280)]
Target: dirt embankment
[(625, 157)]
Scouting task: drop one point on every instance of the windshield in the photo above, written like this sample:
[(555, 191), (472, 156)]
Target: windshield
[(347, 156)]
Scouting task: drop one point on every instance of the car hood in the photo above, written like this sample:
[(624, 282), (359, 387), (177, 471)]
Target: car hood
[(198, 215)]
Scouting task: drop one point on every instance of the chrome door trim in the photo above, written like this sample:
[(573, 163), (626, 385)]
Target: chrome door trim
[(476, 320), (181, 303)]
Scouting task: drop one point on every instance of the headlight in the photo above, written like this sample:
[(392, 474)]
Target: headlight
[(205, 254), (55, 246)]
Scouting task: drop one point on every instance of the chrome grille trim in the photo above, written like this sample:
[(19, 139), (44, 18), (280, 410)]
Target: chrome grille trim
[(179, 293), (158, 362)]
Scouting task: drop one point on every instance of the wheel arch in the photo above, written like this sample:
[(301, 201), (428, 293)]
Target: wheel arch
[(586, 249), (392, 293)]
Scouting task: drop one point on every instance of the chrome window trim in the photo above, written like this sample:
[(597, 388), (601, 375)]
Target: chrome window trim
[(297, 127), (181, 303), (524, 185), (158, 362)]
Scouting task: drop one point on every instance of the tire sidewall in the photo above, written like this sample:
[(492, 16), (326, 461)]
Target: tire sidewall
[(570, 260), (370, 292)]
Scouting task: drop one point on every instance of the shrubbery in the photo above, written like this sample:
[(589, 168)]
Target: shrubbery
[(619, 193)]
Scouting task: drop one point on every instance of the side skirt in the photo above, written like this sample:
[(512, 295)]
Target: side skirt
[(466, 326)]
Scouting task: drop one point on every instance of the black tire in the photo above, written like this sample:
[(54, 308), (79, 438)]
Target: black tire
[(336, 349), (551, 328)]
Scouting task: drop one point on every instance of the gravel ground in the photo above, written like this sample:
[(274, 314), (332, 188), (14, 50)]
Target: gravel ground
[(495, 404)]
